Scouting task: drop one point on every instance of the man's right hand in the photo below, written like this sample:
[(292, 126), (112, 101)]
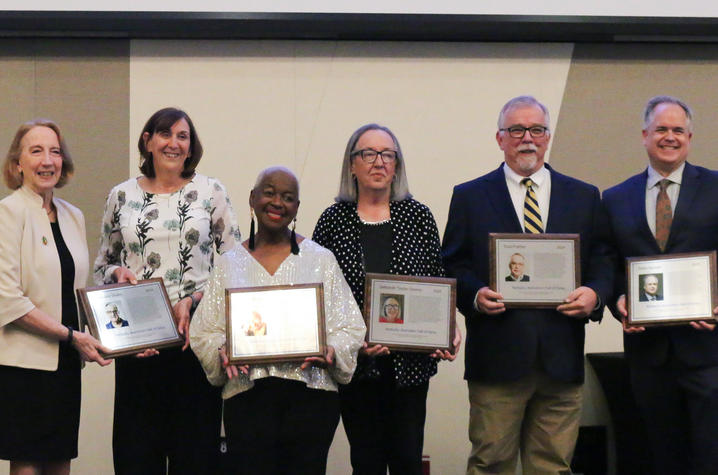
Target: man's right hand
[(486, 301)]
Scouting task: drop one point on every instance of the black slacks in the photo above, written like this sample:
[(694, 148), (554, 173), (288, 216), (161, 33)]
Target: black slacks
[(384, 425), (679, 406), (280, 427), (167, 416)]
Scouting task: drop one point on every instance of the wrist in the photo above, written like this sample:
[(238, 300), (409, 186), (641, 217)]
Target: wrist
[(70, 337)]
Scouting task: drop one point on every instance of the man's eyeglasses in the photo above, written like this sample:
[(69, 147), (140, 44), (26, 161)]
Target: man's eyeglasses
[(369, 155), (518, 131)]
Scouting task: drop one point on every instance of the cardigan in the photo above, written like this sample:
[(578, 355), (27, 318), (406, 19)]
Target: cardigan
[(415, 250), (30, 274)]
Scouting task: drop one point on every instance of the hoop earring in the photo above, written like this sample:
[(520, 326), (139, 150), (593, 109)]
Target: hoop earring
[(293, 238), (251, 229)]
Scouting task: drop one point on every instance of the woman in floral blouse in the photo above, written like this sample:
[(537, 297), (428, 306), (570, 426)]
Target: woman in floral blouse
[(375, 226), (167, 223)]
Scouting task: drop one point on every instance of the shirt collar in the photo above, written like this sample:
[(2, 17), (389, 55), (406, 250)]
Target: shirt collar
[(539, 177), (654, 177)]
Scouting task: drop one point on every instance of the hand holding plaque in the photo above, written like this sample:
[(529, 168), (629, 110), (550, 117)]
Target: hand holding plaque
[(671, 289), (534, 270), (130, 318)]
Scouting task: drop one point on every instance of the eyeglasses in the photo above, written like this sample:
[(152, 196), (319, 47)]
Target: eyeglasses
[(391, 306), (518, 131), (370, 155)]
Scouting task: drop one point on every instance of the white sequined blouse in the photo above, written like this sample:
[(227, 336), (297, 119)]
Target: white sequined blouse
[(237, 268)]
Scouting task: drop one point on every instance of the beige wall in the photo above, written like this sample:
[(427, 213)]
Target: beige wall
[(259, 103)]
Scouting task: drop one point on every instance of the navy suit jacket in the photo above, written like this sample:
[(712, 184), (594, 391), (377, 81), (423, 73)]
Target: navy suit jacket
[(694, 228), (505, 347)]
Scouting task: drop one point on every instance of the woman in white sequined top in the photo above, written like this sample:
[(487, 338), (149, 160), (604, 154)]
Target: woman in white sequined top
[(279, 415)]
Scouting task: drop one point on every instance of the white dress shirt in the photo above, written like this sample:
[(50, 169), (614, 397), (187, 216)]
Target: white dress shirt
[(542, 188)]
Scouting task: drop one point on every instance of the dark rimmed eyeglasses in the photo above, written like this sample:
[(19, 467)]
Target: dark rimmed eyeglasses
[(370, 155), (518, 131)]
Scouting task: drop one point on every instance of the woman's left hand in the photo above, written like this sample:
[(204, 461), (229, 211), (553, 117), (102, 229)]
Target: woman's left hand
[(322, 362), (89, 348), (181, 310), (446, 354)]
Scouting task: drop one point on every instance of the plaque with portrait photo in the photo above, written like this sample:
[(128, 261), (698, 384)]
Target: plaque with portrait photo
[(130, 318), (671, 289), (275, 323), (410, 313), (534, 270)]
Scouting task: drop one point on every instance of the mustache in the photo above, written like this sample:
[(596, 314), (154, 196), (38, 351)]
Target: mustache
[(530, 147)]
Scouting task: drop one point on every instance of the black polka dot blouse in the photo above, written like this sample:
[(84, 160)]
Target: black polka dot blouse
[(415, 250)]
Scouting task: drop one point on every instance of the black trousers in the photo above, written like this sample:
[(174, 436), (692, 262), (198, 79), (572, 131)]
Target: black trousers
[(384, 425), (280, 427), (679, 406), (167, 416)]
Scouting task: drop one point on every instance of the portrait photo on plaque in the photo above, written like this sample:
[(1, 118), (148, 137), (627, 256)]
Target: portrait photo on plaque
[(671, 289), (275, 323), (410, 313), (130, 318), (534, 270)]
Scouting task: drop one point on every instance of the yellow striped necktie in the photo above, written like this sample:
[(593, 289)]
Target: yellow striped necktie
[(532, 214)]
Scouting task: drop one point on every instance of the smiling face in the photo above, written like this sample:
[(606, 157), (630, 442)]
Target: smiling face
[(40, 160), (169, 148), (524, 155), (516, 265), (275, 201), (379, 175), (392, 309), (650, 285), (667, 138)]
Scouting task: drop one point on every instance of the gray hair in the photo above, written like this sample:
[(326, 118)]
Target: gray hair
[(270, 170), (653, 102), (522, 101), (347, 183)]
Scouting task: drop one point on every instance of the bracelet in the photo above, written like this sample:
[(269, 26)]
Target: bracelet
[(70, 337)]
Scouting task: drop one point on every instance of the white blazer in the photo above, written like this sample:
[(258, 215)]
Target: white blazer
[(30, 273)]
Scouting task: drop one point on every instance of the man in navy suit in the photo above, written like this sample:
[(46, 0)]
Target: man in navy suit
[(674, 370), (524, 366)]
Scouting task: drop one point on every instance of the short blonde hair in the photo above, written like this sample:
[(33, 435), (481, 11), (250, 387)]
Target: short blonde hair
[(12, 176)]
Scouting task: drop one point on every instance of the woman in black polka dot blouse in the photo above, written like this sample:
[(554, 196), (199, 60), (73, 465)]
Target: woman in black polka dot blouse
[(375, 226)]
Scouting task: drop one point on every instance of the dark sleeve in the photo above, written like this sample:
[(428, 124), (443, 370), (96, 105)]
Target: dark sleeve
[(616, 266), (321, 234), (457, 254), (432, 244), (599, 275)]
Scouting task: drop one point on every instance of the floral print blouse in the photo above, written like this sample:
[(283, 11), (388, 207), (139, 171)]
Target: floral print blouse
[(172, 235)]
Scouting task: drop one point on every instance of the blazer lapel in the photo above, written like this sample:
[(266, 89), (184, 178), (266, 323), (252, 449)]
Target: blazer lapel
[(560, 188), (498, 195), (686, 198)]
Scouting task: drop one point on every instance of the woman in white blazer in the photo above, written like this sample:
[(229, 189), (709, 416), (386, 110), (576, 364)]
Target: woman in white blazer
[(43, 259)]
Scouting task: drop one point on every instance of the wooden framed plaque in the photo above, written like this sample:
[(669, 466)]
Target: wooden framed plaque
[(671, 289), (130, 318), (410, 313), (275, 323), (534, 270)]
